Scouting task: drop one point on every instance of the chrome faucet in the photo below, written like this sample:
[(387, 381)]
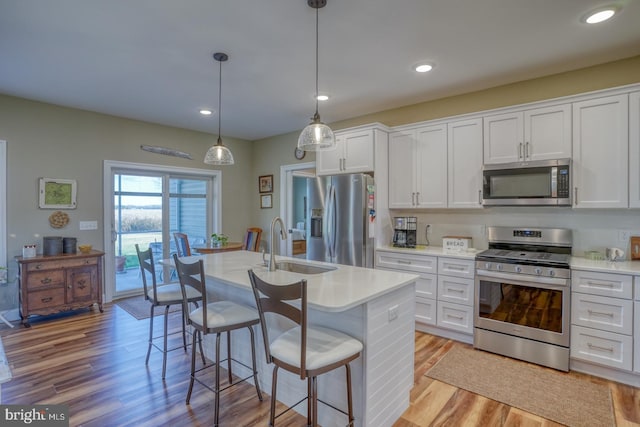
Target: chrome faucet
[(283, 235)]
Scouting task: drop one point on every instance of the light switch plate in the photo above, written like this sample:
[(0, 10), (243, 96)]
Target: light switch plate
[(88, 225)]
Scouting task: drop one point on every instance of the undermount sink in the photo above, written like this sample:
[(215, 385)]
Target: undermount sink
[(296, 267)]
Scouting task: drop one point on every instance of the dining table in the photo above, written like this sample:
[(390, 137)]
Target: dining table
[(230, 246)]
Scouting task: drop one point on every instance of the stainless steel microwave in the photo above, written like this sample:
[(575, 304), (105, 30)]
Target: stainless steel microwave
[(538, 183)]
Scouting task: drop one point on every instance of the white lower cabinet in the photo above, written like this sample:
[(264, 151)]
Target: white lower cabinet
[(636, 338), (602, 317), (444, 290)]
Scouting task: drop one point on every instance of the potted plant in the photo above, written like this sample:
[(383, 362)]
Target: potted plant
[(218, 240)]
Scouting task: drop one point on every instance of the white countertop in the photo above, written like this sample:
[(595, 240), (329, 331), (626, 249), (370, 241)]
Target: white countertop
[(338, 290), (432, 250), (623, 267)]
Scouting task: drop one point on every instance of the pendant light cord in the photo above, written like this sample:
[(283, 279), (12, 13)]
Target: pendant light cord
[(317, 37), (220, 103)]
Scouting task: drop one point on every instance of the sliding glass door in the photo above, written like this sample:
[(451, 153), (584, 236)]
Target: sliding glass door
[(148, 208)]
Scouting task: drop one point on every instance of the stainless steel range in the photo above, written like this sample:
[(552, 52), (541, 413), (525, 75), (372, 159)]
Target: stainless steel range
[(522, 295)]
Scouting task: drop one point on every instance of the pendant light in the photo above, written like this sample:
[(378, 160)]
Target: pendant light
[(317, 136), (219, 154)]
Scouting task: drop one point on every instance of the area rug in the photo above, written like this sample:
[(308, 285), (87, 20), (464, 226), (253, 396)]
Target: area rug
[(139, 308), (549, 394)]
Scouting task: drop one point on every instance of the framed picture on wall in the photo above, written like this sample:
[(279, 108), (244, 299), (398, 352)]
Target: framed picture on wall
[(265, 201), (57, 193), (265, 183)]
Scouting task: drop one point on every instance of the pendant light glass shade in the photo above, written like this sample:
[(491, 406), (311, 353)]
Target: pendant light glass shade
[(317, 136), (219, 154)]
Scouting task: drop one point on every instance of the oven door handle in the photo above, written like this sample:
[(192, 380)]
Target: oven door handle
[(518, 279)]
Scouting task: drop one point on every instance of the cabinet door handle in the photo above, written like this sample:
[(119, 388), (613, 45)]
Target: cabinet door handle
[(418, 199), (45, 281), (575, 195), (520, 151), (599, 313), (455, 317), (460, 291), (597, 347), (402, 261), (526, 150), (480, 197), (592, 283), (413, 199), (48, 299), (38, 266)]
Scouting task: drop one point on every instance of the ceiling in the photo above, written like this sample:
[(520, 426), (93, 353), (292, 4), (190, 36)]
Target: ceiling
[(152, 60)]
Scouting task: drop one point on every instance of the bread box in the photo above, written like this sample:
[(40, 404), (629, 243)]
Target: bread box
[(456, 244)]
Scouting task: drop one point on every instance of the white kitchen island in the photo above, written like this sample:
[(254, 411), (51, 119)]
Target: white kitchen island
[(374, 306)]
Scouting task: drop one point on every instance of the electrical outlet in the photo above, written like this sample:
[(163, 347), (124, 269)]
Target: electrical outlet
[(393, 313)]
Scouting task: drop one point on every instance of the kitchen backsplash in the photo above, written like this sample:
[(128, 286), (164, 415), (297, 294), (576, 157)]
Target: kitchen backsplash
[(592, 229)]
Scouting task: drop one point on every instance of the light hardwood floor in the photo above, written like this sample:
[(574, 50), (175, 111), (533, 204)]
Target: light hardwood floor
[(94, 363)]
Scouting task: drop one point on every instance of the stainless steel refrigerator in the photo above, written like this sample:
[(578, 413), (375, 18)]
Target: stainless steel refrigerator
[(340, 210)]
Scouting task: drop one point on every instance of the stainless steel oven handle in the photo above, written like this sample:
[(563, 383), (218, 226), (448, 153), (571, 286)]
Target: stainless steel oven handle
[(518, 279)]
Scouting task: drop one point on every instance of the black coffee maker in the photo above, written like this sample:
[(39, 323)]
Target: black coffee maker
[(405, 229)]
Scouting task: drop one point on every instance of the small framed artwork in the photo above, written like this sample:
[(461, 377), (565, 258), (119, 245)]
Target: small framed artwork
[(265, 201), (265, 183), (57, 193)]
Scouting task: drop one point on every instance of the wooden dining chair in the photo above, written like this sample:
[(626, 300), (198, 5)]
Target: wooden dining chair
[(252, 239), (182, 244)]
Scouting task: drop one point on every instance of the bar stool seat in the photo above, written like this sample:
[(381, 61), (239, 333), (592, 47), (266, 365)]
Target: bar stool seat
[(324, 347), (224, 314), (171, 293)]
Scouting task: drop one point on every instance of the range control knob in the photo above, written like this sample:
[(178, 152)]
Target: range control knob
[(499, 267), (552, 273), (487, 265), (538, 271), (518, 269)]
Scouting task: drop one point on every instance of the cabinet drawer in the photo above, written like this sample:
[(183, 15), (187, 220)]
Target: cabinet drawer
[(456, 267), (45, 298), (407, 262), (45, 279), (606, 284), (426, 286), (607, 314), (606, 348), (636, 293), (426, 311), (61, 263), (455, 289), (455, 316)]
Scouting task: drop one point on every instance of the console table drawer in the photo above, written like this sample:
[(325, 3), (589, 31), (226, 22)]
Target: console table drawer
[(46, 279), (60, 263), (46, 298)]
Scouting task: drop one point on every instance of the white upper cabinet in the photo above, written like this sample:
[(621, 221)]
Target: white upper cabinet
[(354, 153), (418, 168), (600, 152), (465, 164), (521, 136), (634, 154)]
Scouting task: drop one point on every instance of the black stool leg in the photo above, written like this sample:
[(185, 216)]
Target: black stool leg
[(196, 333), (146, 362), (274, 383), (164, 350), (217, 398), (314, 392), (253, 360), (229, 356), (309, 403)]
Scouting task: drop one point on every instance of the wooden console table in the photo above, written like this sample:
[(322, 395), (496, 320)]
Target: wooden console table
[(51, 284)]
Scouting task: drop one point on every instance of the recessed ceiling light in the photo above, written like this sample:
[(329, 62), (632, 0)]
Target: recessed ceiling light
[(205, 112), (323, 97), (599, 15), (423, 68)]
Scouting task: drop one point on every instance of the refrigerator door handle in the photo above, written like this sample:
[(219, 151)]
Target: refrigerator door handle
[(334, 223), (327, 221)]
